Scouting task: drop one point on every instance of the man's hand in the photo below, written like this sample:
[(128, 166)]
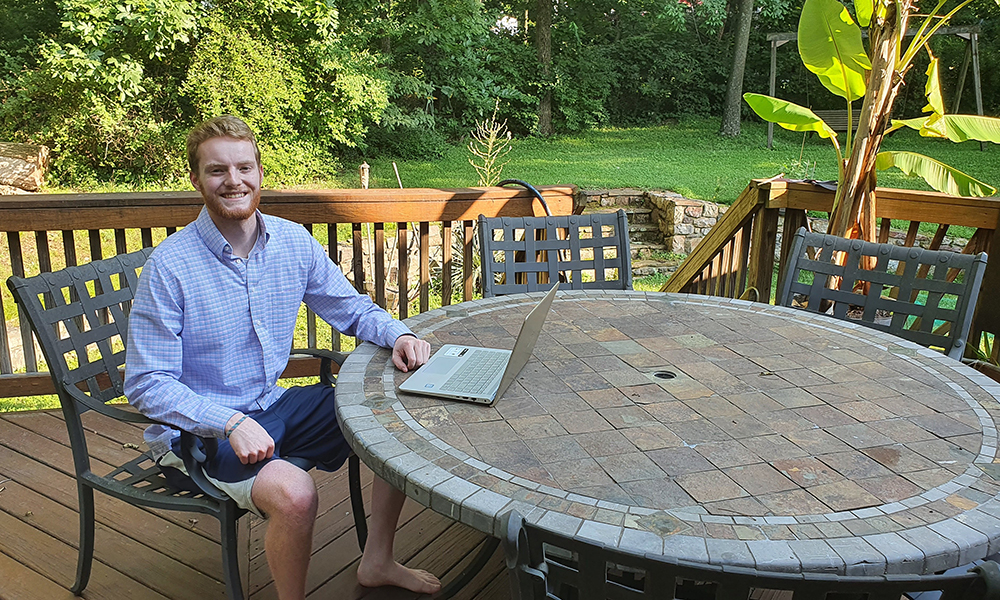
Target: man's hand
[(251, 442), (409, 353)]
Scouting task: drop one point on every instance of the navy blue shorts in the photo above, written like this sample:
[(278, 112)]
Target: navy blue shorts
[(303, 424)]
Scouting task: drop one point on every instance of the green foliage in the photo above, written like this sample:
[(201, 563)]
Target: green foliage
[(583, 82), (236, 72), (942, 177), (112, 86), (92, 89), (292, 78)]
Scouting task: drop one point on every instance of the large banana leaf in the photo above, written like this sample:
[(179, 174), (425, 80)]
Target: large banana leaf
[(830, 46), (957, 128), (938, 175), (789, 115), (935, 102), (863, 9)]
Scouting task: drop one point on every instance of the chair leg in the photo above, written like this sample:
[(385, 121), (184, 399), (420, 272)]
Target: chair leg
[(357, 502), (230, 551), (86, 556)]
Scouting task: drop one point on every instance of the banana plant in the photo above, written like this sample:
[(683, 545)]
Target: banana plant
[(830, 45)]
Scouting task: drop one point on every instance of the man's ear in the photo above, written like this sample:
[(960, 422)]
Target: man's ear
[(194, 180)]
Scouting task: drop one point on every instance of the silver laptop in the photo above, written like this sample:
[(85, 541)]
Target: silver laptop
[(475, 374)]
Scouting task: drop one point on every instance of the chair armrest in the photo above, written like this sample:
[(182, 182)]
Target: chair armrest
[(327, 358), (195, 452), (109, 410)]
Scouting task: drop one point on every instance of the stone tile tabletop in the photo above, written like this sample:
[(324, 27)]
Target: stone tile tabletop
[(707, 427)]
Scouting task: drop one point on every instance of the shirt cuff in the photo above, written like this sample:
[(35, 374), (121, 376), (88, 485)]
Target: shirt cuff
[(395, 330), (217, 418)]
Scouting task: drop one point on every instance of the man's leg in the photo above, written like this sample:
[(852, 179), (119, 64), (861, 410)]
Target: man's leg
[(378, 566), (287, 496)]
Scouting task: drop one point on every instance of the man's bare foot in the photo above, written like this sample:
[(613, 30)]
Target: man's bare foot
[(396, 574)]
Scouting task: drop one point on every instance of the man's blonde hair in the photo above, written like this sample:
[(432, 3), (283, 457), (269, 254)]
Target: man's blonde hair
[(222, 126)]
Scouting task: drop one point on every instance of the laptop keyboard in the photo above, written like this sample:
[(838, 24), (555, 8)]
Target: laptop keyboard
[(477, 373)]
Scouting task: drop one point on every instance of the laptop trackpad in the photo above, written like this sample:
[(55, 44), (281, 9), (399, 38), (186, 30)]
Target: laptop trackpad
[(440, 366)]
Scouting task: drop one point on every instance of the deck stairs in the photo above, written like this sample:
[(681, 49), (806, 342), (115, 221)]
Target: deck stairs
[(649, 254)]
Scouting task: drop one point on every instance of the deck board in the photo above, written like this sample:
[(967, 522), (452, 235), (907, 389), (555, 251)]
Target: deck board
[(164, 555)]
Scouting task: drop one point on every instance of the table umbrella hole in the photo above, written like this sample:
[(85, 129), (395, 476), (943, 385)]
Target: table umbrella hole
[(665, 375)]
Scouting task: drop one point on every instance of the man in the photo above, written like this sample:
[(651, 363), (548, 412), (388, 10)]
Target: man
[(209, 334)]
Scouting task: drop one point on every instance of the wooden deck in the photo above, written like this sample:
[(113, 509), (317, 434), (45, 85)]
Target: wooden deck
[(147, 554)]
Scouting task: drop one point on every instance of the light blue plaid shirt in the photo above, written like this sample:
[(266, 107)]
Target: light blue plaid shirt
[(209, 332)]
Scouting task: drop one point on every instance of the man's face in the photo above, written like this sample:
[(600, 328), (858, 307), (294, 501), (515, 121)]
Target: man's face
[(228, 178)]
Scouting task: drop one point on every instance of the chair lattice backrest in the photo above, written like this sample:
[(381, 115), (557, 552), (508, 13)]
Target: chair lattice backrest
[(925, 296), (546, 565), (79, 316), (528, 254)]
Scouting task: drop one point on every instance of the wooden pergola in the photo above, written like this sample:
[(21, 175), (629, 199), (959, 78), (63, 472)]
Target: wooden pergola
[(969, 33)]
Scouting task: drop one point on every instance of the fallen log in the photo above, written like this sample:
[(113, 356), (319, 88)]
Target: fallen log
[(23, 165)]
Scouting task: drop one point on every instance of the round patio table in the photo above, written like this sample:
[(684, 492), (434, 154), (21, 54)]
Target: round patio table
[(699, 428)]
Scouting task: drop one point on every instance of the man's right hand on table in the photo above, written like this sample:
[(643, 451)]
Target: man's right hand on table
[(251, 442)]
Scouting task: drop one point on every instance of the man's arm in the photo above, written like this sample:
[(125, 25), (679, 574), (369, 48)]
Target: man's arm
[(333, 298)]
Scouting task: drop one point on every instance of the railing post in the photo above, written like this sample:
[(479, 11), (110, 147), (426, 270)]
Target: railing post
[(765, 232), (794, 218), (379, 277), (986, 318), (467, 267), (333, 250), (358, 258), (425, 266), (445, 263)]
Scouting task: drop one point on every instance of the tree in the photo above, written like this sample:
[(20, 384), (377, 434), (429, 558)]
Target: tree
[(734, 87), (543, 43)]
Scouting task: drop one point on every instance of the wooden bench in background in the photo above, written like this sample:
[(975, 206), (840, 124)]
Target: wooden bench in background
[(837, 119)]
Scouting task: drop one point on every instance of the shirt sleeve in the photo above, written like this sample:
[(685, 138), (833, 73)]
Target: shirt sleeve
[(155, 359), (333, 298)]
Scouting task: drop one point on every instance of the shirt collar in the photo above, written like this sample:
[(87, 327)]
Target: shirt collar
[(217, 243)]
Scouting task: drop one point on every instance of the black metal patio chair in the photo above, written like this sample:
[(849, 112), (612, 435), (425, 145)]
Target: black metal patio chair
[(545, 565), (925, 296), (528, 254), (79, 316)]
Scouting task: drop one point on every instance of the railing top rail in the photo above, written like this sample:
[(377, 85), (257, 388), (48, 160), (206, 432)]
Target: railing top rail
[(908, 205), (173, 209)]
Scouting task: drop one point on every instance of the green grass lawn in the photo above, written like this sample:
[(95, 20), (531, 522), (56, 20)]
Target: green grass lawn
[(688, 158)]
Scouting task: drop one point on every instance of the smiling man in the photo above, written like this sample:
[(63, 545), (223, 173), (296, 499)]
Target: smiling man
[(209, 335)]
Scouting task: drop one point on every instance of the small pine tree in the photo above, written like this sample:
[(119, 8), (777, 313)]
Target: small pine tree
[(489, 145)]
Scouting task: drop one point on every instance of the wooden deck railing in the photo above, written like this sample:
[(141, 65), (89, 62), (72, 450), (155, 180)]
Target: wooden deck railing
[(374, 227), (737, 258)]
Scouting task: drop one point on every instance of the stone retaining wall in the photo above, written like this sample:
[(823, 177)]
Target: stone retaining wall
[(677, 222), (683, 222)]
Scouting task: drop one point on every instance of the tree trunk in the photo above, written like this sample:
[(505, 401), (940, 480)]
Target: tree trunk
[(854, 216), (543, 43), (734, 89)]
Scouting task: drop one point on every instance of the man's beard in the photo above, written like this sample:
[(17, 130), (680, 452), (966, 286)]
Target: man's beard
[(238, 214)]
